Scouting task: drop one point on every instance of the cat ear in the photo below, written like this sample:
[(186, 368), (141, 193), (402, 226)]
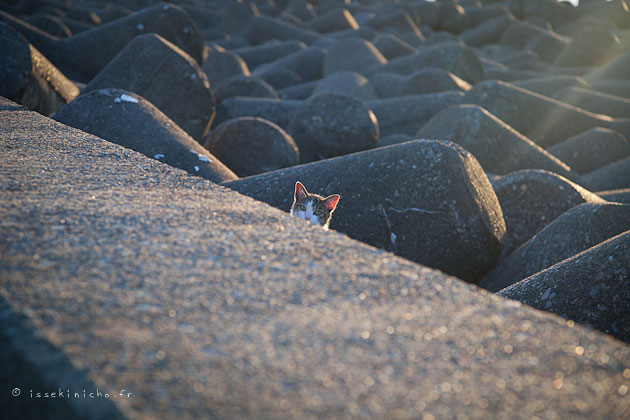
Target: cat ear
[(331, 201), (300, 190)]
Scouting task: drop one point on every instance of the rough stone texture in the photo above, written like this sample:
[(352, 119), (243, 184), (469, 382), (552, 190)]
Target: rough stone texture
[(549, 85), (263, 28), (77, 56), (612, 176), (592, 46), (596, 102), (511, 75), (330, 125), (129, 120), (308, 64), (536, 115), (303, 10), (392, 46), (205, 18), (393, 139), (364, 32), (17, 62), (386, 84), (525, 60), (397, 19), (488, 32), (335, 20), (407, 114), (441, 37), (615, 69), (574, 27), (498, 147), (612, 87), (574, 231), (518, 61), (451, 56), (281, 78), (202, 302), (352, 54), (519, 33), (475, 15), (451, 17), (617, 196), (531, 199), (27, 77), (433, 79), (51, 24), (221, 64), (164, 75), (390, 198), (250, 146), (346, 83), (277, 111), (258, 55), (299, 91), (556, 13), (233, 42), (237, 15), (527, 36), (243, 86), (616, 12), (592, 149), (590, 288), (78, 26), (490, 64), (547, 45)]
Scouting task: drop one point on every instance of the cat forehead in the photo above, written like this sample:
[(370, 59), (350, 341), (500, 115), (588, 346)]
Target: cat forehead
[(316, 203), (316, 200)]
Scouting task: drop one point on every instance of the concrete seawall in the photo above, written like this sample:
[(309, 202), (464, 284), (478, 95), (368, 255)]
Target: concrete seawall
[(121, 273)]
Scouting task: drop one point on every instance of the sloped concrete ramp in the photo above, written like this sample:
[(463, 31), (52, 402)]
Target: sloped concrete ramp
[(120, 273)]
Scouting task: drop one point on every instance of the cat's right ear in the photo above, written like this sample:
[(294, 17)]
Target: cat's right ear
[(300, 190)]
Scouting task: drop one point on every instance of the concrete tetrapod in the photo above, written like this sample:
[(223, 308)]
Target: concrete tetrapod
[(428, 201), (122, 273)]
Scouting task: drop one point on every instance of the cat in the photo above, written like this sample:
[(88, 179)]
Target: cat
[(312, 207)]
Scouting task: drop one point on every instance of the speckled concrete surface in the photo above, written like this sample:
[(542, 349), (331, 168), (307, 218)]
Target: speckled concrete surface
[(202, 303)]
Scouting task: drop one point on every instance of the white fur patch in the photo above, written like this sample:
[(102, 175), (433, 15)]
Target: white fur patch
[(307, 214)]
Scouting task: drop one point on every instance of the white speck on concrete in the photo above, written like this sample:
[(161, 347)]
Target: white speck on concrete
[(158, 156), (140, 27), (392, 237), (126, 98), (200, 156), (196, 168)]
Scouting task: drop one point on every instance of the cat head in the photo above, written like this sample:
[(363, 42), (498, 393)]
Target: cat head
[(312, 207)]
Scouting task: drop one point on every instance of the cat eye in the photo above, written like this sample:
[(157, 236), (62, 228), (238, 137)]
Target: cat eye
[(318, 213), (301, 207)]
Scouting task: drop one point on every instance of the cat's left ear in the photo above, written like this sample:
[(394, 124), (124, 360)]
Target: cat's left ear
[(331, 201), (300, 191)]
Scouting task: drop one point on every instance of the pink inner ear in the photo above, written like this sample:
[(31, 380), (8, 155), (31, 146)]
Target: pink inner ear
[(300, 190), (331, 201)]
